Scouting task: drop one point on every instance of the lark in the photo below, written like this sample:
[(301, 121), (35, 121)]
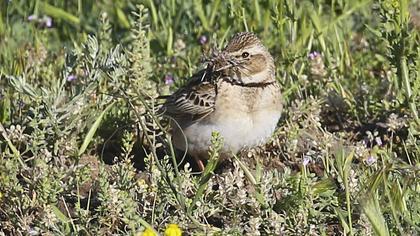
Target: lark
[(237, 95)]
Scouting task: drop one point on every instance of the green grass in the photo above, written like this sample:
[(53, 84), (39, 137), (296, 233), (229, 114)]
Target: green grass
[(84, 152)]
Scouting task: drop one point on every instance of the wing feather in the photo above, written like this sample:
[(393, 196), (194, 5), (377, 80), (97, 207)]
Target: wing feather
[(194, 101)]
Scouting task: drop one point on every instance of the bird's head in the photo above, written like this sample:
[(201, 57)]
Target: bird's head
[(244, 60)]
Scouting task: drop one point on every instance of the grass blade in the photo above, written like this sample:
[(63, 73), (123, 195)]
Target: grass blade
[(373, 212), (93, 129), (217, 143), (59, 13)]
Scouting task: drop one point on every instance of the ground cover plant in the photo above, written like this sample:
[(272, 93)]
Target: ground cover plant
[(83, 150)]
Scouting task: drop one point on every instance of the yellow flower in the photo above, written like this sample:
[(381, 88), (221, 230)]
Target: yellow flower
[(148, 232), (173, 230)]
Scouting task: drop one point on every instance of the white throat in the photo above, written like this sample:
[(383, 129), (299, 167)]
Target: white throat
[(261, 77)]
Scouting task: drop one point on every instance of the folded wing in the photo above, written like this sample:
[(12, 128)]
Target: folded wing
[(194, 101)]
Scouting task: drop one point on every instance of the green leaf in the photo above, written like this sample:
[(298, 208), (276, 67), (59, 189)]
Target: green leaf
[(217, 143), (4, 109), (63, 218), (198, 5), (341, 216), (93, 129), (59, 13), (154, 13), (253, 179), (122, 18), (373, 212), (170, 42), (325, 185)]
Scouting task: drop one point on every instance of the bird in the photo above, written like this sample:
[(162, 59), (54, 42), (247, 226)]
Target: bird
[(237, 95)]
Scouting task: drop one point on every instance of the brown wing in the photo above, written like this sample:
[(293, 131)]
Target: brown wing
[(194, 101)]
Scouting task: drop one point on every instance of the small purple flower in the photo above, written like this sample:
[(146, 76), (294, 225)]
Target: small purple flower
[(202, 39), (306, 160), (370, 160), (71, 78), (47, 21), (169, 79), (32, 17), (313, 55)]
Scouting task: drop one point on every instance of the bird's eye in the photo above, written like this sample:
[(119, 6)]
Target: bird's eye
[(245, 55)]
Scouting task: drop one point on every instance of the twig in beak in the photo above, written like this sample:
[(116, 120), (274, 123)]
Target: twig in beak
[(224, 67)]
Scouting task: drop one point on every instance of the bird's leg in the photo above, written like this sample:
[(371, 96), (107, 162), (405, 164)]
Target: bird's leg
[(200, 163)]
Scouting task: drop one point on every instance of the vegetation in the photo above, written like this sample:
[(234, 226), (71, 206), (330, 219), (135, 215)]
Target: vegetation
[(84, 152)]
